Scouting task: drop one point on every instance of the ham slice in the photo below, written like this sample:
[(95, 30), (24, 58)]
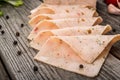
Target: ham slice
[(74, 53), (63, 23), (81, 6), (42, 37), (40, 17), (58, 9), (91, 3)]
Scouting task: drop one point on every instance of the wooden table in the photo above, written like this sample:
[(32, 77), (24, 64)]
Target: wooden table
[(20, 67)]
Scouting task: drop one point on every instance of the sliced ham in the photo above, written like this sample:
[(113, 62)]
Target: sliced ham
[(91, 3), (42, 37), (67, 35), (40, 17), (84, 4), (55, 9), (63, 23), (72, 52)]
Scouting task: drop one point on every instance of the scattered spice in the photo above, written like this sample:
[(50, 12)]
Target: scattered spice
[(22, 25), (35, 68), (41, 0), (82, 13), (104, 57), (19, 52), (92, 28), (60, 41), (114, 30), (7, 17), (37, 43), (100, 42), (89, 31), (2, 32), (15, 43), (0, 26), (82, 19), (81, 66), (58, 54), (68, 55), (89, 7), (18, 71), (48, 18), (103, 41), (17, 34), (80, 41), (67, 11)]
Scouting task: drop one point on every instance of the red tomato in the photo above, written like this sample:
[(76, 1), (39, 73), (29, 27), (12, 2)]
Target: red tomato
[(114, 2)]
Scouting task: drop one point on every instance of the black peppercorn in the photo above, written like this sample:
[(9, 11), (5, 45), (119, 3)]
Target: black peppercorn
[(114, 30), (0, 26), (15, 42), (19, 52), (81, 66), (35, 68), (18, 71), (2, 32), (22, 25), (7, 17), (17, 34)]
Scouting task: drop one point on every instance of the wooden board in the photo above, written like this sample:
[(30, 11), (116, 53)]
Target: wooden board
[(3, 73), (20, 67)]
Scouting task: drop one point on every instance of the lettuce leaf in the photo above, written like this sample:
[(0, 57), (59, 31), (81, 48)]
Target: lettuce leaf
[(1, 13), (13, 2)]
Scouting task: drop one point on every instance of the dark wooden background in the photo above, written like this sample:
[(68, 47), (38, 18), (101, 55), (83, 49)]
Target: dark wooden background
[(20, 67)]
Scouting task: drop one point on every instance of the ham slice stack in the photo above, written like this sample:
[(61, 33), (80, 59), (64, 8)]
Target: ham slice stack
[(68, 35)]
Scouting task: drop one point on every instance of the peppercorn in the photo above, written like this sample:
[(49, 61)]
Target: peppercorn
[(7, 17), (22, 25), (0, 26), (17, 34), (81, 66), (19, 52), (35, 68), (15, 43), (2, 32), (114, 30)]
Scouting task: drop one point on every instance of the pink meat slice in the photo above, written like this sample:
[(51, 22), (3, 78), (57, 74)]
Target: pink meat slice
[(59, 53), (63, 23), (43, 36)]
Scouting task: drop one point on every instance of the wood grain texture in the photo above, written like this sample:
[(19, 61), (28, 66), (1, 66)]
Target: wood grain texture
[(3, 73), (20, 67)]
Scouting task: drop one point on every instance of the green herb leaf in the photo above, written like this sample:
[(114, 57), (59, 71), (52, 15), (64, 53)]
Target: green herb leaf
[(1, 13), (15, 2)]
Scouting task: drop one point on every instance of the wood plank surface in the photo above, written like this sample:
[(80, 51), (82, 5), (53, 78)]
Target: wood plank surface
[(3, 73), (20, 67)]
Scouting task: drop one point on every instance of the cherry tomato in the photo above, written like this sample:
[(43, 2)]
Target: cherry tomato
[(114, 2)]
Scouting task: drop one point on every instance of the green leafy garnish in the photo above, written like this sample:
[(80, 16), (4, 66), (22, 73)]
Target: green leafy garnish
[(15, 3), (1, 13)]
